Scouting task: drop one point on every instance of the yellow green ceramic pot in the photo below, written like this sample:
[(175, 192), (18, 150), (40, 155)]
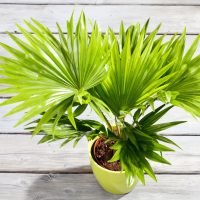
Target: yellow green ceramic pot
[(111, 181)]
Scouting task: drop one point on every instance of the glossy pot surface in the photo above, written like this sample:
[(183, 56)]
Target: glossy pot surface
[(111, 181)]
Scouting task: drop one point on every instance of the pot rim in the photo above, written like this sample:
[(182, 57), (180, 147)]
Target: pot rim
[(99, 166)]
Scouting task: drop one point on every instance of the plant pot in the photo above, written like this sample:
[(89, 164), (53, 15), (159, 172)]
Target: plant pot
[(111, 181)]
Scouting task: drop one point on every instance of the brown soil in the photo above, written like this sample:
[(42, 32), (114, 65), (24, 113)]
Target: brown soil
[(102, 153)]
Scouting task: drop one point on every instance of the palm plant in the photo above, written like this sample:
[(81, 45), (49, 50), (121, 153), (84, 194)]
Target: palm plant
[(56, 79)]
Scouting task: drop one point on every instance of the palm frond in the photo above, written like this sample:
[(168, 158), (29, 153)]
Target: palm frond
[(184, 89), (136, 70), (49, 74)]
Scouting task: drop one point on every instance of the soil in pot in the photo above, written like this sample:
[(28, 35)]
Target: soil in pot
[(101, 153)]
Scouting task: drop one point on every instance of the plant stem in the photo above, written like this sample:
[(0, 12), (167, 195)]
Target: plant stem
[(117, 126)]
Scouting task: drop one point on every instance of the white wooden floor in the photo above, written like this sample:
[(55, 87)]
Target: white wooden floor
[(45, 172)]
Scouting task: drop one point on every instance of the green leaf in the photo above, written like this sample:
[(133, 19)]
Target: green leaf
[(71, 116), (154, 116), (132, 138), (76, 141), (100, 114), (188, 56), (116, 156), (51, 113), (79, 110), (137, 115), (141, 134), (157, 158), (147, 167), (45, 139), (163, 126), (140, 174), (161, 147), (167, 140)]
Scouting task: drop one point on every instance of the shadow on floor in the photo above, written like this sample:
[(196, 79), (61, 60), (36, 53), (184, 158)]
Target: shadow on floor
[(67, 187)]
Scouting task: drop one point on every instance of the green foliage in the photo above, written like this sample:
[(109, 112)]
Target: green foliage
[(184, 88), (141, 142), (130, 82), (138, 143), (65, 132), (57, 79), (49, 74), (143, 68)]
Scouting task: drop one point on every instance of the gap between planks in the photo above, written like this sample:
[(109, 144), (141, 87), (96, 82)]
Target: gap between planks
[(117, 33), (103, 4), (88, 172)]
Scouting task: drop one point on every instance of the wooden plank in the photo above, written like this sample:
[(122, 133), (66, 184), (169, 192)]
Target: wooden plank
[(85, 187), (100, 2), (174, 18), (21, 153), (192, 126)]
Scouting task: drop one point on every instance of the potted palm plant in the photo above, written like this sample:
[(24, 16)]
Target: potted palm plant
[(129, 80)]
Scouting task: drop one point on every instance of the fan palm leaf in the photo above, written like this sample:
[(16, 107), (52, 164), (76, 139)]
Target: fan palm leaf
[(143, 68), (184, 88), (137, 71), (49, 74)]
